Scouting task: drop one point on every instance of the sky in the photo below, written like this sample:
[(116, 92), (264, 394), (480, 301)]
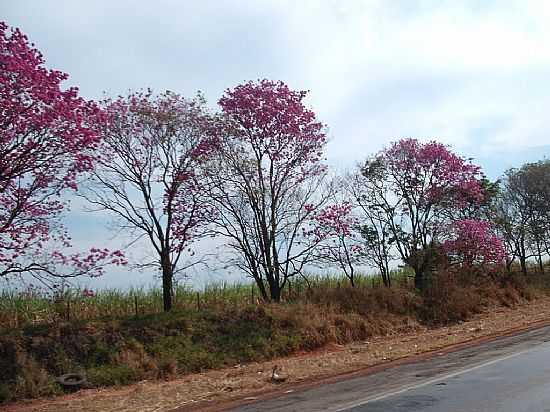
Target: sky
[(472, 74)]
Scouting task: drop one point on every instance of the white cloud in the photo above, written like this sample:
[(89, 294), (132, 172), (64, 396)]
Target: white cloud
[(351, 49), (471, 73)]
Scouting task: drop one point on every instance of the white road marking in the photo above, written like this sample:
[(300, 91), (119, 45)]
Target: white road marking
[(425, 383)]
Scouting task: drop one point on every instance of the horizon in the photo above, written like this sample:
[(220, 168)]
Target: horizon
[(467, 75)]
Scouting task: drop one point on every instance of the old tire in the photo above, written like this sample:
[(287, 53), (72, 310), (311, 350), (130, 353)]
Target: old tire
[(72, 380)]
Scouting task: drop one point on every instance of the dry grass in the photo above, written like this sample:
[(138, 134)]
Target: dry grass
[(120, 351), (20, 309), (244, 380)]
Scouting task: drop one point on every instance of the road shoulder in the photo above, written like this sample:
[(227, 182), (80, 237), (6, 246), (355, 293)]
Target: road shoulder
[(221, 389)]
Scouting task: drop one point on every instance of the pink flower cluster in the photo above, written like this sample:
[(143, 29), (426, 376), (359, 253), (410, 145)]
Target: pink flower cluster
[(432, 169), (88, 293), (47, 138), (335, 220), (332, 232), (275, 122), (165, 139), (473, 242), (92, 263)]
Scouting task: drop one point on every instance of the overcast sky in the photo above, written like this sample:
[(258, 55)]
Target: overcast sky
[(473, 74)]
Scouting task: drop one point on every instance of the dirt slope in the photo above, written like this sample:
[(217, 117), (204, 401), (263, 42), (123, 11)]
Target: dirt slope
[(206, 390)]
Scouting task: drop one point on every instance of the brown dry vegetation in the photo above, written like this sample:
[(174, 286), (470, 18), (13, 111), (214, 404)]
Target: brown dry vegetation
[(195, 391), (161, 346)]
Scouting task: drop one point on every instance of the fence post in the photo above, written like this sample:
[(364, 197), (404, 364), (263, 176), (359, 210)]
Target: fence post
[(198, 301), (136, 305), (68, 309), (252, 294)]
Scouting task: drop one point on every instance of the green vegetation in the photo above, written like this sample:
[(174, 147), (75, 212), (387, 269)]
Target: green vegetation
[(17, 309), (253, 174), (105, 339)]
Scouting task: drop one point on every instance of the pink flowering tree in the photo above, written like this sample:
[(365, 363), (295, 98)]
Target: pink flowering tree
[(147, 179), (267, 181), (335, 232), (473, 244), (415, 189), (47, 139)]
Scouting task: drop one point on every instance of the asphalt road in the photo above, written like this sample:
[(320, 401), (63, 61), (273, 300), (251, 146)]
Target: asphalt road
[(507, 375)]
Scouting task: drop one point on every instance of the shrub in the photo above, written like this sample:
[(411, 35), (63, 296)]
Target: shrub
[(107, 375)]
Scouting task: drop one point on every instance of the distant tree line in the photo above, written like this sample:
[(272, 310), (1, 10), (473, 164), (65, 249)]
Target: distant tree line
[(171, 172)]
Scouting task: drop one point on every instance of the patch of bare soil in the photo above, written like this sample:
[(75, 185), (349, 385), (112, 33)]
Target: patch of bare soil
[(203, 391)]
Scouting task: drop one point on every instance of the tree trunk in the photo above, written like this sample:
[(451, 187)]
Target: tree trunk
[(167, 278), (420, 263), (275, 291), (539, 258), (261, 287), (522, 256), (419, 279), (385, 277), (523, 264), (351, 276), (275, 288), (509, 265)]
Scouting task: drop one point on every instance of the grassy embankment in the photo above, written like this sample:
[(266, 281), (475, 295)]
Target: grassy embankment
[(120, 337)]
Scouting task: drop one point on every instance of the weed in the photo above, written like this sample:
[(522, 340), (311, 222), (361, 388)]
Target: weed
[(114, 346)]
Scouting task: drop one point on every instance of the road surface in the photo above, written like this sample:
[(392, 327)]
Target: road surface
[(511, 374)]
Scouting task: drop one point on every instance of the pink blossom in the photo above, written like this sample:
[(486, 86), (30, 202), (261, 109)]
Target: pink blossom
[(433, 170), (473, 242), (274, 121), (88, 293), (48, 138)]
